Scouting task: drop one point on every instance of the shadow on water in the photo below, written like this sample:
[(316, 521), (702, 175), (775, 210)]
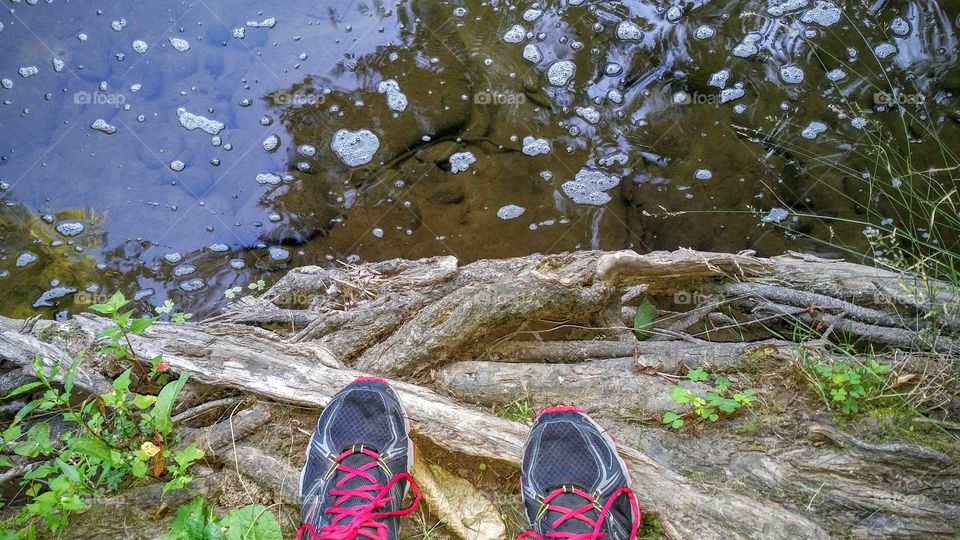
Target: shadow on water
[(314, 133)]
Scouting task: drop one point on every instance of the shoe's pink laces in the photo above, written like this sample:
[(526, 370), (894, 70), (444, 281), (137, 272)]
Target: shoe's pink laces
[(579, 514), (362, 520)]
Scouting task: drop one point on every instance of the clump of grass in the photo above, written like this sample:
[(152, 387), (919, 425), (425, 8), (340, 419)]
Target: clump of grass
[(520, 410)]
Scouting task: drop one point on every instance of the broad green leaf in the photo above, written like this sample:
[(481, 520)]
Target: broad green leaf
[(68, 470), (698, 375), (680, 395), (162, 420), (5, 462), (24, 389), (122, 383), (167, 307), (37, 443), (113, 305), (187, 456), (11, 433), (252, 522), (643, 320), (191, 522), (140, 325), (91, 447), (142, 401), (71, 373)]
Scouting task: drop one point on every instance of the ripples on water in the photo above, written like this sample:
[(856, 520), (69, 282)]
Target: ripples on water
[(181, 149)]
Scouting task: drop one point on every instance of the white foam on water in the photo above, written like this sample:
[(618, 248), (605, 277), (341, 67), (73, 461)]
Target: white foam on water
[(268, 178), (461, 161), (776, 215), (719, 79), (28, 71), (191, 121), (778, 8), (101, 125), (58, 64), (560, 72), (140, 46), (266, 23), (6, 83), (732, 94), (589, 186), (704, 32), (836, 75), (239, 33), (628, 31), (674, 14), (900, 27), (532, 54), (118, 25), (355, 148), (823, 13), (177, 165), (533, 146), (70, 228), (515, 34), (173, 258), (184, 270), (813, 130), (749, 46), (192, 285), (307, 150), (271, 143), (791, 74), (531, 15), (885, 50), (136, 87), (703, 174), (589, 114), (396, 100), (179, 44), (510, 211), (615, 96), (25, 258)]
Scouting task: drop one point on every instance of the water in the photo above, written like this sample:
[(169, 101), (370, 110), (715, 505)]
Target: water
[(240, 138)]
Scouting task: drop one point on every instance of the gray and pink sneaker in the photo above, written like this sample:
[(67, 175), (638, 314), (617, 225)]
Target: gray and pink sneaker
[(574, 485), (357, 469)]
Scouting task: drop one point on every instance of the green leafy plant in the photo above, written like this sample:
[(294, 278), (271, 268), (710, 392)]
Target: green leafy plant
[(102, 441), (847, 386), (643, 320), (520, 410), (722, 400), (196, 520)]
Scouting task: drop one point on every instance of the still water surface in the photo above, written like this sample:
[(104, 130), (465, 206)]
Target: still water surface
[(178, 149)]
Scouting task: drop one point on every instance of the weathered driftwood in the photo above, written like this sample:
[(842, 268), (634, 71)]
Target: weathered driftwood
[(600, 387), (411, 318), (274, 475), (239, 357)]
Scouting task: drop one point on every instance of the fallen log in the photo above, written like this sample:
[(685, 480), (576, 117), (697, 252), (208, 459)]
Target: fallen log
[(233, 356)]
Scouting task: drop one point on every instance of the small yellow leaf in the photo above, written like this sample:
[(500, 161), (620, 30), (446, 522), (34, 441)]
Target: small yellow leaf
[(149, 449)]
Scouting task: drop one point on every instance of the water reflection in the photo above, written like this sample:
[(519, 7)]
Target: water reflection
[(253, 136)]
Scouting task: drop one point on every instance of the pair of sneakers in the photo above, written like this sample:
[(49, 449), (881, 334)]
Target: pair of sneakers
[(573, 483)]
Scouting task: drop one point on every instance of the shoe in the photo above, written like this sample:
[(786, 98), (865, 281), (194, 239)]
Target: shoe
[(357, 469), (574, 485)]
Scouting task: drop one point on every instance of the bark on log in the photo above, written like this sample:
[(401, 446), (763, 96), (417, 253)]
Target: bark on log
[(304, 374)]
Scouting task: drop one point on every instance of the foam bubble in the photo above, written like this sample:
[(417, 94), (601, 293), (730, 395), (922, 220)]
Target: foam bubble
[(118, 25), (813, 130), (629, 31), (101, 125), (532, 54), (703, 174), (704, 32), (836, 75), (181, 45), (70, 228), (177, 165), (396, 100), (510, 211), (184, 270), (515, 34), (533, 146), (749, 46), (173, 258), (461, 161), (776, 215), (192, 285), (900, 27), (589, 186), (674, 14), (355, 148), (268, 178), (719, 79), (140, 46), (531, 15), (266, 23), (823, 13), (791, 74), (271, 143), (779, 8), (28, 71), (560, 72), (191, 121), (58, 65), (6, 83), (885, 50), (277, 253), (589, 114), (25, 258), (306, 150), (239, 33)]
